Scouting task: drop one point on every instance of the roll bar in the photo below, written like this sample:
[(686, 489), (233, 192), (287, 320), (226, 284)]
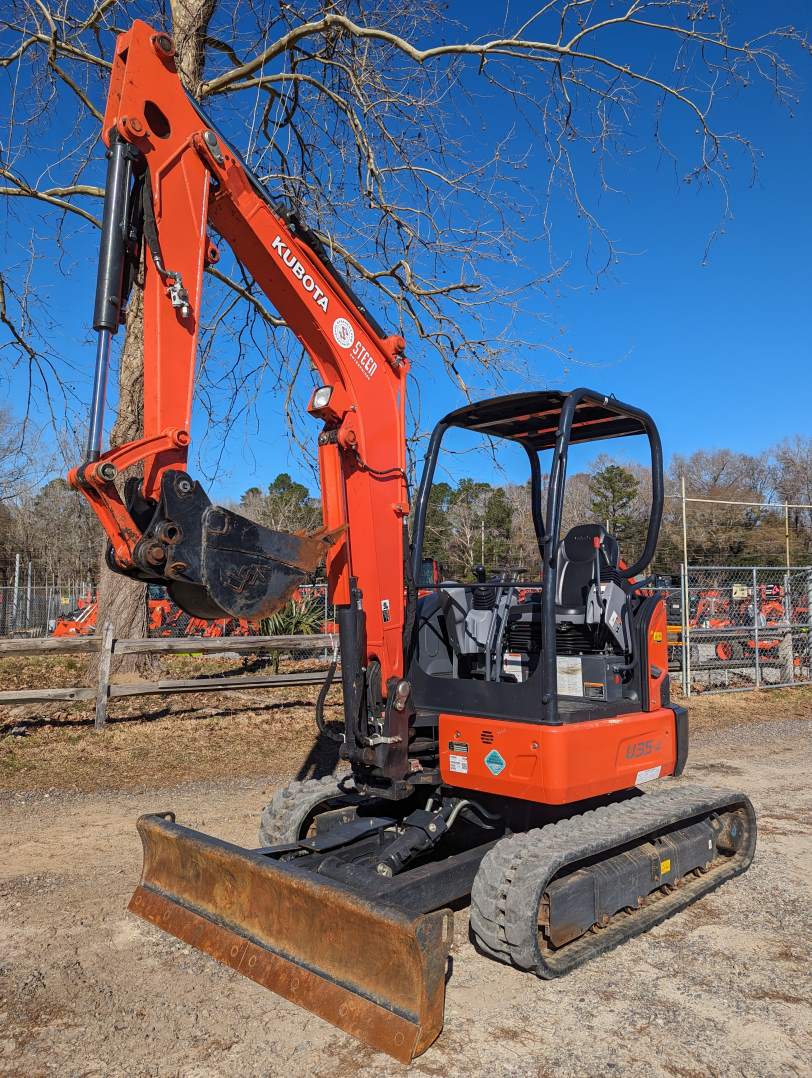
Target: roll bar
[(520, 425)]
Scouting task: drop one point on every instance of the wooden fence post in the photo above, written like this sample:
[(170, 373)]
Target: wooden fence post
[(105, 658)]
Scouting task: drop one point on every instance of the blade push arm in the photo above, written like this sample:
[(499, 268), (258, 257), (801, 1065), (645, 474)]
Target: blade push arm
[(190, 180)]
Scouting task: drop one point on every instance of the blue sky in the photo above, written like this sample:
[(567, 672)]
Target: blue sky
[(718, 349)]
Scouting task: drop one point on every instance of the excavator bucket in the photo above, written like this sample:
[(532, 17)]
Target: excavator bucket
[(251, 571), (372, 970), (216, 563)]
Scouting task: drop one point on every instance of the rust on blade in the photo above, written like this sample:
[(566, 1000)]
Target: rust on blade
[(371, 970)]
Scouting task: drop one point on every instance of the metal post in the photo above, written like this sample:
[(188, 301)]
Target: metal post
[(686, 639), (786, 532), (683, 589), (16, 593), (28, 597), (755, 627), (788, 596), (324, 620)]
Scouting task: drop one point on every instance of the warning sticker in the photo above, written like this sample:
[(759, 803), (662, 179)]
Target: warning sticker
[(665, 866), (495, 762), (514, 665), (647, 775), (458, 763), (570, 679)]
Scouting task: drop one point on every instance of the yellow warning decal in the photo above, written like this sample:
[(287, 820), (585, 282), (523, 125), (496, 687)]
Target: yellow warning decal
[(665, 866), (657, 637)]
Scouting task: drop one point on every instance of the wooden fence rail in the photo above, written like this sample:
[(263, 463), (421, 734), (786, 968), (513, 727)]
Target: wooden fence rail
[(109, 647)]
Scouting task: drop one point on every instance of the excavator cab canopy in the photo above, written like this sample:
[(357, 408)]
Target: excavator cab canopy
[(539, 421), (533, 419), (549, 419)]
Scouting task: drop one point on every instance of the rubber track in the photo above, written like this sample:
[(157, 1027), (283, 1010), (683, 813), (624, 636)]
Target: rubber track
[(291, 805), (514, 875)]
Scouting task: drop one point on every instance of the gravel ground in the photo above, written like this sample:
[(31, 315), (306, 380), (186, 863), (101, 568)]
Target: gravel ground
[(86, 989)]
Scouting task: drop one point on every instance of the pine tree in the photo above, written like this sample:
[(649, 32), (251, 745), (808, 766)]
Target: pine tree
[(614, 490)]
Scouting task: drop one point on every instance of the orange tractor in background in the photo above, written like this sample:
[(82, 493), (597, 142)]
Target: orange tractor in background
[(165, 619)]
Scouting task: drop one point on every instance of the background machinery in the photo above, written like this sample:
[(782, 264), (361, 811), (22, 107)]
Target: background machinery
[(496, 733)]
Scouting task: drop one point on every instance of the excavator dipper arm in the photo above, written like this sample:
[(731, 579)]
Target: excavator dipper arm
[(172, 177)]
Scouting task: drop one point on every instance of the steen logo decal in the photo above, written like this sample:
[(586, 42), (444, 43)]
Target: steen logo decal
[(343, 333)]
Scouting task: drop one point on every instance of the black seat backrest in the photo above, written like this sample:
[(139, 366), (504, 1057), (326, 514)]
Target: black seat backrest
[(576, 563)]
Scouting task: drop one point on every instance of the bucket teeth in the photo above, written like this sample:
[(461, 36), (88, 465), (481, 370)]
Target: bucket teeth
[(370, 969)]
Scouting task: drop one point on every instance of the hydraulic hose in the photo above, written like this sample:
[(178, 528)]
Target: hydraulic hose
[(324, 729)]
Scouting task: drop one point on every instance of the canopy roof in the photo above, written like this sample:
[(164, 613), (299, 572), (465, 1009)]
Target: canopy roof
[(533, 418)]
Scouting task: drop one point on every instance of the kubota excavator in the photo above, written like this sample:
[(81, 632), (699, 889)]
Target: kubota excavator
[(496, 735)]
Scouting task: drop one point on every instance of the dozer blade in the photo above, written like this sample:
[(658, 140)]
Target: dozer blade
[(370, 969)]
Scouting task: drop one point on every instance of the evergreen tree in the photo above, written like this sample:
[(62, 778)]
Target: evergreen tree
[(614, 490), (498, 521), (287, 506)]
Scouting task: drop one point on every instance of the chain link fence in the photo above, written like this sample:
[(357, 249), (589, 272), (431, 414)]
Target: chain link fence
[(736, 628), (35, 611), (730, 628)]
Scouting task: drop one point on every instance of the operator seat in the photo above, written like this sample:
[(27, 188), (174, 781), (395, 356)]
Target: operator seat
[(576, 567)]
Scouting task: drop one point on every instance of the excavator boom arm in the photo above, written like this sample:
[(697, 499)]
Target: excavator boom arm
[(190, 180)]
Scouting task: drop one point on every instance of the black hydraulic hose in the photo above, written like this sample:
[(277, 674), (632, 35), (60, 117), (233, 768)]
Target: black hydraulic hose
[(324, 729)]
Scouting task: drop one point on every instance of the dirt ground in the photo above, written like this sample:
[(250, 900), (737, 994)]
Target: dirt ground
[(86, 989)]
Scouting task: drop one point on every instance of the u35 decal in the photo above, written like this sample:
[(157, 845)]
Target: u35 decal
[(642, 748)]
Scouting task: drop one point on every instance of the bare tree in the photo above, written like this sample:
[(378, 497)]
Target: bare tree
[(724, 534), (792, 471), (466, 518), (37, 517), (523, 543), (429, 159), (19, 469)]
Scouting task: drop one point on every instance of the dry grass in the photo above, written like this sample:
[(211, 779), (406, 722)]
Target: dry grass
[(718, 710), (153, 741)]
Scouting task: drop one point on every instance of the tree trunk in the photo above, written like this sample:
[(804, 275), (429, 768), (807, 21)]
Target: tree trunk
[(120, 600), (190, 21), (123, 601)]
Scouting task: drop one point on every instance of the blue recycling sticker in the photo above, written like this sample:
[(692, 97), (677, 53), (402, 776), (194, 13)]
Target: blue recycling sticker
[(494, 762)]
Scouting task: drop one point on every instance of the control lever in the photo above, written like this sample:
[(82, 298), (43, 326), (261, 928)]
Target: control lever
[(597, 543)]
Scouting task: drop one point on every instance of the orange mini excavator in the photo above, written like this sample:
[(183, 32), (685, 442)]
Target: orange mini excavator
[(496, 733)]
